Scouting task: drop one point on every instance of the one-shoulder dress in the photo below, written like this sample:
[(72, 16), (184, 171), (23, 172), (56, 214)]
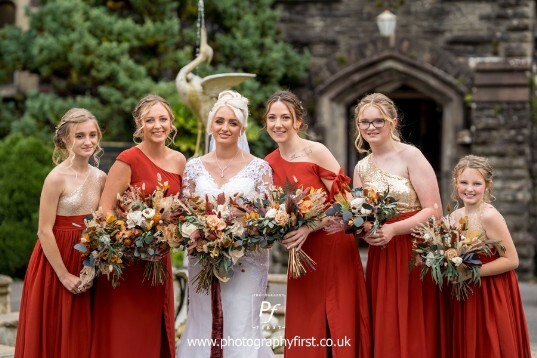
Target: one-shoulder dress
[(491, 321), (53, 322), (136, 319), (407, 314), (328, 305)]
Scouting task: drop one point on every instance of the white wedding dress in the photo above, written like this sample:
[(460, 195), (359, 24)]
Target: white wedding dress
[(243, 294)]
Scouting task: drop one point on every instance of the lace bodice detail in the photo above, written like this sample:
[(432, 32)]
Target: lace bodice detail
[(248, 181), (400, 188), (85, 198)]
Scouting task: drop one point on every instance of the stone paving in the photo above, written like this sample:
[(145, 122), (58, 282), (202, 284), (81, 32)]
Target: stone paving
[(528, 291)]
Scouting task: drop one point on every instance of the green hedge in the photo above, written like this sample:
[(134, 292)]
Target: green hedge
[(24, 163)]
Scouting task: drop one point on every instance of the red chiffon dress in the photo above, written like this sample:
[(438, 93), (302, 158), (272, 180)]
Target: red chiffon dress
[(407, 314), (53, 322), (331, 301), (136, 319), (490, 322)]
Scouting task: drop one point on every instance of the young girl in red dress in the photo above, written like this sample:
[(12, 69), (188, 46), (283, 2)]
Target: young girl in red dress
[(328, 305), (490, 322), (407, 314), (136, 319), (54, 319)]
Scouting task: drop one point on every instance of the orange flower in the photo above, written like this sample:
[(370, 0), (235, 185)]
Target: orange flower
[(305, 205)]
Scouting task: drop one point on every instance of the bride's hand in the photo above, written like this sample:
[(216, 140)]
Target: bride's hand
[(295, 239)]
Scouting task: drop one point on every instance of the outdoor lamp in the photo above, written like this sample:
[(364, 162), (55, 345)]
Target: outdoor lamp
[(386, 23)]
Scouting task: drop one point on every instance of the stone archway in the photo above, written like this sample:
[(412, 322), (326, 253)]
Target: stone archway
[(388, 70)]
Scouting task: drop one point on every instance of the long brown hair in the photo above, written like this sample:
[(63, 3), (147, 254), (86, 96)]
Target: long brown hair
[(293, 104)]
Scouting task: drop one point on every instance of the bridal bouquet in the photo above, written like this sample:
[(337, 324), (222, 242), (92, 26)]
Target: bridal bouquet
[(450, 253), (366, 205), (283, 210), (142, 227), (213, 232)]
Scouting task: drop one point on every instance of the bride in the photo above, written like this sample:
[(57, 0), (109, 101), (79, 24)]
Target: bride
[(228, 168)]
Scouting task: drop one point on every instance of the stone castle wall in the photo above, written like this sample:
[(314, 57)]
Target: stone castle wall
[(485, 48)]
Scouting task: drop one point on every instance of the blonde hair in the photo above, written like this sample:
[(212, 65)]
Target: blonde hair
[(64, 134), (236, 102), (293, 104), (388, 110), (141, 111), (480, 164)]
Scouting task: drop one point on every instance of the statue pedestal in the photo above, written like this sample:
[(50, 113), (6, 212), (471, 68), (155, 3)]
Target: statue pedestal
[(5, 291)]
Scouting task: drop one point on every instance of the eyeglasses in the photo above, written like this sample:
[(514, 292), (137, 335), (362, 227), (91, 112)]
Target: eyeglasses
[(377, 123)]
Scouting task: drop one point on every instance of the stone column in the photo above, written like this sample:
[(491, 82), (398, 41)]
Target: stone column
[(502, 132), (5, 291)]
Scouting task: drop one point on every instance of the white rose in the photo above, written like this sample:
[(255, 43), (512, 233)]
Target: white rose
[(457, 261), (271, 213), (187, 229), (134, 218), (356, 204), (430, 255), (148, 213), (236, 255), (428, 262), (426, 237), (365, 211), (237, 230)]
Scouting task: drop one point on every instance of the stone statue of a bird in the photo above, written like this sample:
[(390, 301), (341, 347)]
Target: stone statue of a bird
[(199, 94)]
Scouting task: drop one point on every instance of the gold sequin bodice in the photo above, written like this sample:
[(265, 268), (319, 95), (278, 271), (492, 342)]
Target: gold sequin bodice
[(400, 188), (85, 198), (475, 229)]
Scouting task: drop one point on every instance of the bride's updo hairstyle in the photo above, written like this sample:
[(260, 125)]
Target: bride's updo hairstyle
[(236, 102)]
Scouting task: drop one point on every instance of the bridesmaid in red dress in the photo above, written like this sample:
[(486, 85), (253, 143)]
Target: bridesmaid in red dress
[(54, 319), (491, 321), (326, 310), (136, 319), (407, 314)]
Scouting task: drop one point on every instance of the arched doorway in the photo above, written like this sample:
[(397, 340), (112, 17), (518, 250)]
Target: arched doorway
[(432, 101)]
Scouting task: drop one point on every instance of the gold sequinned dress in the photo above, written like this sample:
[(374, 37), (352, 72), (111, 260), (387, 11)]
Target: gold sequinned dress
[(53, 322), (407, 315), (491, 321)]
